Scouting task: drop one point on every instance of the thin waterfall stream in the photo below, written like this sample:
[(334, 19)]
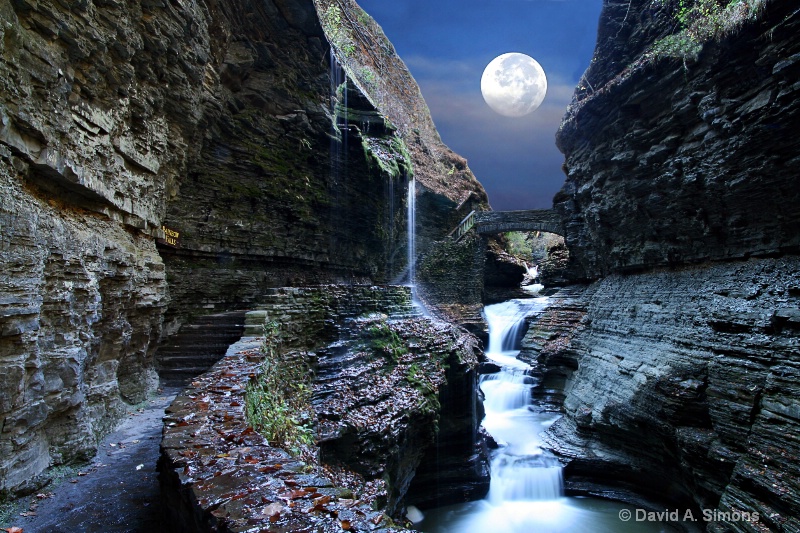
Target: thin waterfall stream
[(526, 492), (411, 220), (411, 229)]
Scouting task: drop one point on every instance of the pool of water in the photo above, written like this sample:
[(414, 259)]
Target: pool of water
[(562, 515)]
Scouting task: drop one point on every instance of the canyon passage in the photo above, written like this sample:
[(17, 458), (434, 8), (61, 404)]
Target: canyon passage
[(247, 205)]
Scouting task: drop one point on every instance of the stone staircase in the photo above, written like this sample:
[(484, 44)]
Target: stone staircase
[(197, 346)]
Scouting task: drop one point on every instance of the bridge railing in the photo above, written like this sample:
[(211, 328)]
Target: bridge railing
[(463, 227)]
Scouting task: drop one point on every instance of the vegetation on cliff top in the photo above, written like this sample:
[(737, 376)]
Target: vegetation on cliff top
[(688, 25), (373, 66), (699, 21)]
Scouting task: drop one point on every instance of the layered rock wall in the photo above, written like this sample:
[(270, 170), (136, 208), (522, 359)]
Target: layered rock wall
[(229, 123), (81, 309), (452, 275), (672, 161), (89, 148), (284, 191), (390, 397), (677, 367), (311, 316), (682, 385)]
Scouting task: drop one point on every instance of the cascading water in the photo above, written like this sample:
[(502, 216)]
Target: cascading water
[(339, 111), (411, 220), (411, 230), (338, 163), (526, 492), (520, 470)]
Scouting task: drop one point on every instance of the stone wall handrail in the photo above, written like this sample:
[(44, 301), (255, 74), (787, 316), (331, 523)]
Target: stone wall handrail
[(463, 227)]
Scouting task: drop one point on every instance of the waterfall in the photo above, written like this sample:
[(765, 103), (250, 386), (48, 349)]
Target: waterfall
[(337, 157), (524, 478), (526, 489), (411, 220), (506, 321), (389, 222), (520, 469), (338, 88)]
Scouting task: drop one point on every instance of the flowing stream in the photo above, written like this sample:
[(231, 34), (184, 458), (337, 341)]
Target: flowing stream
[(526, 491)]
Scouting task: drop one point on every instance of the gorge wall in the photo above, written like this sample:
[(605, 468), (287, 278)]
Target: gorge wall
[(672, 161), (229, 123), (677, 368)]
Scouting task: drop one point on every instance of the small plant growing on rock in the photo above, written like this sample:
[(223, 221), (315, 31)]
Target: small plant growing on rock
[(699, 21), (277, 399), (383, 339), (417, 378)]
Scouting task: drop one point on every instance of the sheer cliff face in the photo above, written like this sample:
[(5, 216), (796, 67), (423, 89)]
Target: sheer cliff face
[(447, 190), (681, 381), (670, 163), (281, 191), (98, 106), (220, 120)]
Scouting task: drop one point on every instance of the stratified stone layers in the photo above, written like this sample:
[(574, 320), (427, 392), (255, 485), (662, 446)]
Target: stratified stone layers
[(89, 149), (686, 387), (678, 367), (283, 191), (81, 309), (670, 163), (214, 118), (394, 399)]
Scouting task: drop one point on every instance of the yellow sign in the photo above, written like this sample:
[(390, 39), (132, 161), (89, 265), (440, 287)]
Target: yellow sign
[(171, 237)]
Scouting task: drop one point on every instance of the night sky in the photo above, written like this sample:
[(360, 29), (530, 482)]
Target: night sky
[(448, 43)]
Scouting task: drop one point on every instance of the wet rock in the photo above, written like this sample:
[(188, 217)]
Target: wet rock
[(547, 346), (218, 474), (676, 380), (389, 398), (660, 400), (699, 169), (450, 276), (403, 413), (488, 368), (80, 313), (501, 269)]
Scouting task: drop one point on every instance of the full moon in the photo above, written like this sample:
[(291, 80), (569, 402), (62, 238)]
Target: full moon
[(513, 84)]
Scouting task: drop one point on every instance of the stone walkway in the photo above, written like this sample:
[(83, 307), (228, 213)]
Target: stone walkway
[(222, 475), (118, 492)]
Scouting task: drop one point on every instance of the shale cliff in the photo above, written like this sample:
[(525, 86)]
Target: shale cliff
[(676, 160), (231, 124), (678, 367)]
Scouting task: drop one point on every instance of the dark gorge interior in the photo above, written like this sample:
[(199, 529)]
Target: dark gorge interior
[(170, 169)]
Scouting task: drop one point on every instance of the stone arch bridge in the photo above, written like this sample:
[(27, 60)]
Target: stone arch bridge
[(490, 222)]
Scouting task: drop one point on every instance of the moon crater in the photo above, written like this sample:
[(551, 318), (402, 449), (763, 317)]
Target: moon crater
[(513, 84)]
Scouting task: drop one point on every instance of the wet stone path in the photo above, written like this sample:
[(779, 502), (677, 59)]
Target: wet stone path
[(117, 492)]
